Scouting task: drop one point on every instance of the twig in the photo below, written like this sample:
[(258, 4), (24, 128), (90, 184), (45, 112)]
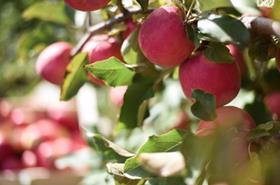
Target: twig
[(121, 7), (262, 25), (104, 25)]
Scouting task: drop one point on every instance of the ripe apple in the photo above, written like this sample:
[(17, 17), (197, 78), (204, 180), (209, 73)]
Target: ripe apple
[(163, 39), (87, 5), (116, 95), (12, 162), (29, 159), (272, 102), (266, 11), (101, 47), (221, 80), (52, 62), (227, 117), (238, 57)]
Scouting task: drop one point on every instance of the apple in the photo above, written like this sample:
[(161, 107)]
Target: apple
[(163, 39), (221, 80), (52, 62), (12, 162), (227, 117), (102, 47), (87, 5), (272, 102), (116, 95), (266, 11), (238, 57)]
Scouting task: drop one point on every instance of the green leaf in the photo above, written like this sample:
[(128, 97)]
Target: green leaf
[(109, 150), (47, 11), (112, 71), (205, 5), (134, 110), (75, 77), (193, 35), (204, 106), (143, 3), (223, 28), (218, 53), (130, 49), (246, 6), (167, 142)]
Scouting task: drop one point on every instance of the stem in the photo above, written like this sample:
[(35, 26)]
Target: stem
[(190, 9), (104, 25), (121, 7)]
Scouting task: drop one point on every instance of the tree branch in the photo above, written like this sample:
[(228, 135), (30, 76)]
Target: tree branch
[(104, 25), (262, 25)]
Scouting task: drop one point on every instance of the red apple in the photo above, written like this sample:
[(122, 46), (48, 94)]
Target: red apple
[(29, 159), (266, 11), (116, 95), (221, 80), (101, 47), (87, 5), (272, 102), (227, 117), (238, 57), (163, 39), (182, 121), (52, 62), (12, 162)]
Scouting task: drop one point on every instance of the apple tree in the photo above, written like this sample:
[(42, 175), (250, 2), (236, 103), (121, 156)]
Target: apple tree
[(194, 85)]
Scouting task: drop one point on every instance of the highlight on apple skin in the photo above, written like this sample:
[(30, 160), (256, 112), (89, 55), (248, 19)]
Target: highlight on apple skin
[(52, 62), (238, 57), (158, 41), (87, 5), (221, 80), (116, 95)]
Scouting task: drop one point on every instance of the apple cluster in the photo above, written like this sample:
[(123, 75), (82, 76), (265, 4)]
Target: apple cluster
[(164, 41), (31, 137)]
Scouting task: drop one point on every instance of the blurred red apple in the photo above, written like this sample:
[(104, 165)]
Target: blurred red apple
[(11, 162), (272, 102), (130, 27), (182, 121), (29, 159), (238, 57), (87, 5)]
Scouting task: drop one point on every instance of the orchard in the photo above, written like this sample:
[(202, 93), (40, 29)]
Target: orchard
[(180, 92)]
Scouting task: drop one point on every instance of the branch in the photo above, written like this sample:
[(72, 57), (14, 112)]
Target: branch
[(104, 25), (262, 25)]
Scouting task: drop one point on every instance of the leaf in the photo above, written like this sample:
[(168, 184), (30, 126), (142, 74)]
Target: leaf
[(109, 150), (167, 142), (143, 3), (223, 28), (218, 53), (264, 130), (134, 110), (111, 70), (75, 77), (193, 35), (47, 11), (205, 5), (246, 6), (130, 49), (204, 106), (157, 163)]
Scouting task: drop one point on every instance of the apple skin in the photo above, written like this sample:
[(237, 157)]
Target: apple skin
[(87, 5), (221, 80), (116, 95), (163, 39), (12, 162), (102, 47), (182, 121), (272, 102), (266, 11), (227, 116), (52, 62), (238, 57)]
